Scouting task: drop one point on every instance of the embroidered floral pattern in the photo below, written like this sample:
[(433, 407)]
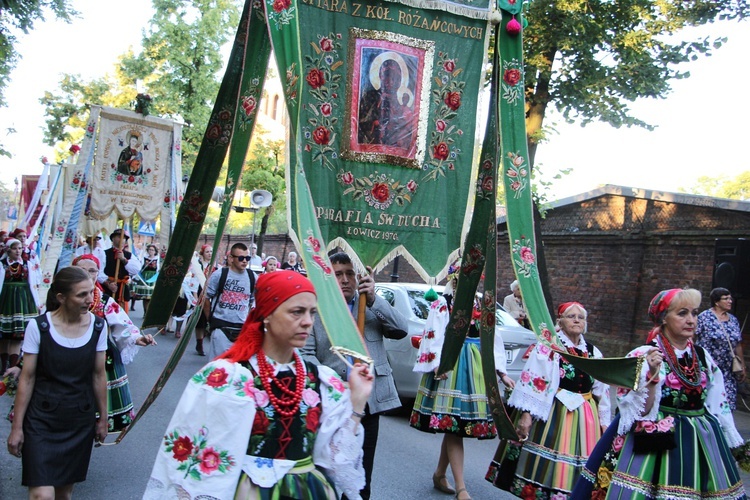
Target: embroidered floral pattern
[(79, 181), (378, 190), (474, 260), (512, 84), (219, 129), (194, 207), (323, 82), (485, 180), (218, 378), (523, 256), (280, 12), (446, 97), (314, 248), (171, 271), (518, 172), (196, 458), (249, 103)]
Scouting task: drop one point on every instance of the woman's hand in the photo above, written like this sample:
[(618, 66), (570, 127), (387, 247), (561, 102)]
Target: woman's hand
[(15, 442), (145, 340), (13, 371), (654, 358), (101, 430), (360, 384), (524, 426), (440, 377), (507, 381)]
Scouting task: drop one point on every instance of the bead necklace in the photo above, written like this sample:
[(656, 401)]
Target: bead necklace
[(689, 376), (15, 270), (97, 301), (288, 404)]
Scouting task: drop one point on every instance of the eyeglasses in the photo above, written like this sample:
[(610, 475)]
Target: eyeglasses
[(98, 238), (575, 316), (727, 297), (242, 257)]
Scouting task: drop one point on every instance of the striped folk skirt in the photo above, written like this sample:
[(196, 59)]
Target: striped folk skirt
[(119, 401), (304, 481), (701, 466), (457, 405), (549, 463), (17, 308)]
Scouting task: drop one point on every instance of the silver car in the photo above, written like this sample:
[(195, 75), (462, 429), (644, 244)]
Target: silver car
[(408, 299)]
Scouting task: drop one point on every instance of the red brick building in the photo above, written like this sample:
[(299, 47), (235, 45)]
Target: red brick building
[(614, 248)]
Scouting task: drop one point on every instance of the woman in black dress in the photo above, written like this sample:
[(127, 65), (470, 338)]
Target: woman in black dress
[(62, 385)]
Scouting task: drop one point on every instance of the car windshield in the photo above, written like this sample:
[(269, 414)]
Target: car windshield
[(418, 303)]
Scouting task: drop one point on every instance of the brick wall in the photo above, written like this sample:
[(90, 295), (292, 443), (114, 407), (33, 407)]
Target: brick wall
[(612, 254)]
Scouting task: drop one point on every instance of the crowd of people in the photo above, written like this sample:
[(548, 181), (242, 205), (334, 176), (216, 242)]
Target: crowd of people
[(312, 417)]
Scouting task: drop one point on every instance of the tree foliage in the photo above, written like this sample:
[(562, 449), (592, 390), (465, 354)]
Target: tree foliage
[(178, 66), (19, 16), (591, 58), (737, 188)]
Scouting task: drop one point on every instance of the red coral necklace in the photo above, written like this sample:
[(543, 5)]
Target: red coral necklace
[(288, 404), (689, 376)]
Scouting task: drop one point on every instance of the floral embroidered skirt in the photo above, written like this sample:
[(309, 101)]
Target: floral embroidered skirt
[(303, 481), (549, 463), (458, 404), (119, 401), (17, 308), (701, 466)]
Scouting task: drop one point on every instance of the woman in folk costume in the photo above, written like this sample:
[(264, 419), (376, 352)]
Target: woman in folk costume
[(123, 344), (19, 300), (143, 285), (454, 404), (261, 423), (672, 436), (560, 414)]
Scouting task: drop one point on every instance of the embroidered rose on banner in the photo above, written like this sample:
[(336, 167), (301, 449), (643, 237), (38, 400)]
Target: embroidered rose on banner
[(249, 103), (512, 83), (323, 81), (313, 247), (523, 257), (195, 457), (280, 12), (378, 190), (446, 98)]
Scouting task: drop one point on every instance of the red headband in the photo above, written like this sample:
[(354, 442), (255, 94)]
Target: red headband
[(204, 248), (88, 256), (271, 291), (567, 305)]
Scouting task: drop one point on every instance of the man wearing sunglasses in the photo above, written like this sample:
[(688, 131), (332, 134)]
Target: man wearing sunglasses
[(229, 298)]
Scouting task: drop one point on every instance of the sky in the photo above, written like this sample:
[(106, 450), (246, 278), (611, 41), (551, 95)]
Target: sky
[(701, 126)]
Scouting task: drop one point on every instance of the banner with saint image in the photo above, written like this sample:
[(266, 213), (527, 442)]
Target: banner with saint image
[(382, 98), (134, 163)]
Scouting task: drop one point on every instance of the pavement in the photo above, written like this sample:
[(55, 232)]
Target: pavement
[(742, 422)]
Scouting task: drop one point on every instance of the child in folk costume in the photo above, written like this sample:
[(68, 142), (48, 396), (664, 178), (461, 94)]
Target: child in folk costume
[(455, 403), (143, 283), (261, 423), (19, 300), (123, 343)]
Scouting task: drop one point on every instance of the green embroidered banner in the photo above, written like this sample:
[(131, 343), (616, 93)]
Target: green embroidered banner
[(382, 98), (516, 174), (227, 119), (239, 95)]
